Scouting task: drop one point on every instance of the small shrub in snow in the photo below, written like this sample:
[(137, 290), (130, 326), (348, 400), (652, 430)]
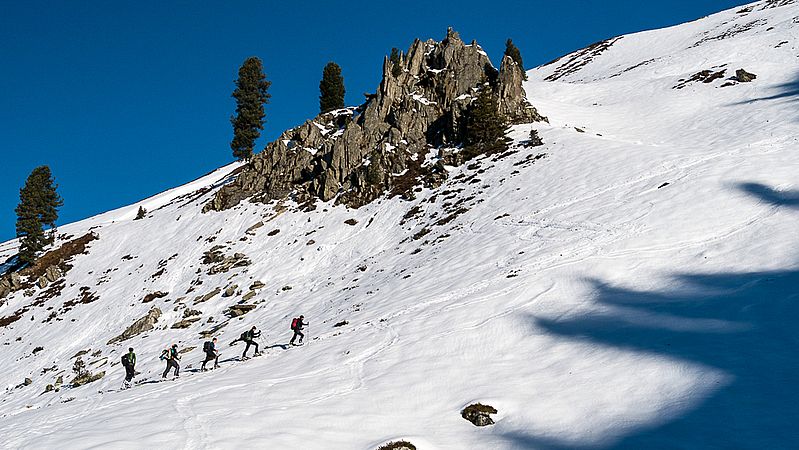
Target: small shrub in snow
[(141, 213), (397, 445)]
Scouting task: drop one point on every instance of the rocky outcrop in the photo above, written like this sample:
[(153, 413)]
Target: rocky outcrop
[(145, 323), (744, 76), (357, 154), (48, 268), (479, 414)]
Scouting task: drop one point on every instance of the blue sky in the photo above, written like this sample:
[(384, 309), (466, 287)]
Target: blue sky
[(125, 99)]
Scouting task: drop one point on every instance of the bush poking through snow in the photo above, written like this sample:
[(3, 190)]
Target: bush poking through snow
[(397, 445), (82, 374), (141, 213), (479, 414)]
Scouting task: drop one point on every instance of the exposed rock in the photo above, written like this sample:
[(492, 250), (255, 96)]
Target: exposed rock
[(154, 295), (86, 378), (257, 284), (397, 445), (239, 310), (212, 331), (230, 262), (230, 291), (251, 230), (360, 153), (191, 312), (479, 414), (59, 381), (52, 273), (46, 269), (5, 288), (27, 382), (145, 323), (42, 282), (248, 296), (744, 76), (49, 388), (185, 323), (214, 255), (208, 296)]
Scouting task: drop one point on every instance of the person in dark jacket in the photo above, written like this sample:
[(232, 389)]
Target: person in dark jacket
[(129, 362), (296, 327), (172, 357), (248, 337), (211, 354)]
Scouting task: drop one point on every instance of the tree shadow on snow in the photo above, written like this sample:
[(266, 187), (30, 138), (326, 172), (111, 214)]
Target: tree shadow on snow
[(767, 194), (786, 91), (742, 324)]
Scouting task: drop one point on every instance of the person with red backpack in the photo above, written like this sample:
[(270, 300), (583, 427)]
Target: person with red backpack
[(296, 326)]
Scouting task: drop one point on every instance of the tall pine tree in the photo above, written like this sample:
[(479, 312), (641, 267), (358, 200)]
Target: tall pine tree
[(38, 207), (485, 126), (251, 95), (512, 51), (331, 88)]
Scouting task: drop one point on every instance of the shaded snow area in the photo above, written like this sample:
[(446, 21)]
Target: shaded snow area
[(634, 282)]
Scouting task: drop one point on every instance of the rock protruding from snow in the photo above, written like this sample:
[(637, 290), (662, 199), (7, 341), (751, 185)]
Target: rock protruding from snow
[(744, 76), (360, 153), (479, 414), (145, 323)]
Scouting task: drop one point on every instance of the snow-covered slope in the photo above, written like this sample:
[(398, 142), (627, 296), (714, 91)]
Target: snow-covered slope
[(635, 287)]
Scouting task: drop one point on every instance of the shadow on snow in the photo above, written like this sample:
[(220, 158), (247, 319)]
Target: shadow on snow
[(742, 324)]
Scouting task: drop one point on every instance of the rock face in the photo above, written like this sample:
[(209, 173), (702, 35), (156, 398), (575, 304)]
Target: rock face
[(145, 323), (357, 154), (744, 76)]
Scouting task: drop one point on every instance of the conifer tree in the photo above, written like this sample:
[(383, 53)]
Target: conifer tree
[(331, 88), (485, 126), (38, 206), (396, 70), (140, 213), (512, 51), (251, 95)]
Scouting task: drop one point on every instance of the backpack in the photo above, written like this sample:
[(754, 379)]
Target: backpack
[(245, 336), (294, 323), (125, 361), (207, 346), (164, 355)]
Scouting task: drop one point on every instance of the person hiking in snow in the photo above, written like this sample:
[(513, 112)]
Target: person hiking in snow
[(129, 363), (248, 337), (296, 326), (171, 357), (211, 354)]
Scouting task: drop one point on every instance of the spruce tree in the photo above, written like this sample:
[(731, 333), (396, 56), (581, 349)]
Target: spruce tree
[(331, 88), (38, 206), (140, 213), (396, 70), (512, 51), (251, 95), (485, 126)]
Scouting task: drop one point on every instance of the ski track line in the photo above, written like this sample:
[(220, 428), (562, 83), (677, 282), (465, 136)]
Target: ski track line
[(646, 177), (699, 242)]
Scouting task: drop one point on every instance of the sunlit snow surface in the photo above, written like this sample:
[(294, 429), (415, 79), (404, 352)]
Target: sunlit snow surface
[(590, 302)]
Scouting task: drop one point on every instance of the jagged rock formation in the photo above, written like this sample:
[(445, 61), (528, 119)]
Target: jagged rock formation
[(357, 154)]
